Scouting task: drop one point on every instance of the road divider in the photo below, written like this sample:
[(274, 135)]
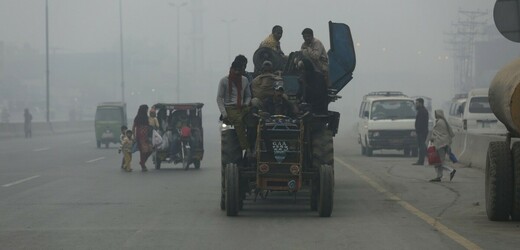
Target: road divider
[(471, 149)]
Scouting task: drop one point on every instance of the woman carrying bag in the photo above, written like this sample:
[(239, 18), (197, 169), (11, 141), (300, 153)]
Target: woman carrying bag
[(441, 139)]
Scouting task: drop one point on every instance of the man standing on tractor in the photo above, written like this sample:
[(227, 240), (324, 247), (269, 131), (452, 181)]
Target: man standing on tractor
[(233, 99), (315, 51)]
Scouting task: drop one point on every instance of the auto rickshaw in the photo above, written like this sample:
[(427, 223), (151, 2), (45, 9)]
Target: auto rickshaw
[(110, 116), (182, 134)]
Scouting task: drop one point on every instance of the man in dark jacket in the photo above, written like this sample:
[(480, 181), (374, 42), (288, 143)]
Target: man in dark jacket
[(421, 129)]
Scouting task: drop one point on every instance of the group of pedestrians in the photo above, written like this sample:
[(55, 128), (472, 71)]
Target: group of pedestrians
[(441, 139), (138, 138)]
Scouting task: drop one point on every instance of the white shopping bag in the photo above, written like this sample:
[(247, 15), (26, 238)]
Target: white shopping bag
[(156, 138)]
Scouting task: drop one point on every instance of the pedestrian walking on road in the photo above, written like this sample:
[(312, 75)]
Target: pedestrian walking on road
[(127, 151), (421, 129), (442, 135), (27, 118), (121, 141), (141, 130)]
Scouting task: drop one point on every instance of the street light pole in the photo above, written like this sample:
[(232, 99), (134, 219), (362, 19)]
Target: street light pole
[(228, 23), (47, 86), (122, 61), (178, 87)]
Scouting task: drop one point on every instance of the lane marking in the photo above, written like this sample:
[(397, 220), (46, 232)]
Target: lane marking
[(41, 149), (97, 159), (20, 181), (423, 216)]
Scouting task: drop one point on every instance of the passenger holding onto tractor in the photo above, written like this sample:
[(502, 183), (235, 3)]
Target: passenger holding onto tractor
[(262, 85), (242, 62), (233, 98), (278, 105), (273, 40), (315, 51)]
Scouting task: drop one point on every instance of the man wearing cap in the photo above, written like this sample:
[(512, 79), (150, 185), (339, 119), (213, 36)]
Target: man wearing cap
[(277, 104), (315, 51), (233, 99)]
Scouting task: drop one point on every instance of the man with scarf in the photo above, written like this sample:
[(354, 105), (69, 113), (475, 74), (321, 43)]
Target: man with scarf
[(233, 98), (442, 135)]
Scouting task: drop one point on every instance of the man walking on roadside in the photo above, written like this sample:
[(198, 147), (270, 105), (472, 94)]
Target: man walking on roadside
[(421, 129)]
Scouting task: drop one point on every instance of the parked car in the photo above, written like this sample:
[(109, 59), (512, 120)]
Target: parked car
[(456, 113), (478, 117)]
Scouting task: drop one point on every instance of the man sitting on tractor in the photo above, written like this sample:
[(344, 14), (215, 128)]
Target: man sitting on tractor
[(277, 104)]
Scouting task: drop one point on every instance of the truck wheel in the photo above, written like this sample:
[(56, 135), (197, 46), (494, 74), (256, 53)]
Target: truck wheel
[(363, 150), (196, 163), (515, 152), (232, 190), (499, 186), (326, 192), (98, 143), (322, 148), (369, 150)]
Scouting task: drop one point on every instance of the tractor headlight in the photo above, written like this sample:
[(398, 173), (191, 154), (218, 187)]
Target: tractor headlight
[(264, 168), (295, 169)]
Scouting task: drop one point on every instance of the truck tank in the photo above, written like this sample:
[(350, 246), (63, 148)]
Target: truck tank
[(504, 96)]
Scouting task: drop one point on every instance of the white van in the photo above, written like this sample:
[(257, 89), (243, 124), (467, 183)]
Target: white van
[(455, 114), (387, 121), (478, 117)]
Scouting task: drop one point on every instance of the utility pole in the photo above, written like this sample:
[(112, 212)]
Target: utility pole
[(47, 60), (121, 43), (228, 23), (178, 88), (462, 43)]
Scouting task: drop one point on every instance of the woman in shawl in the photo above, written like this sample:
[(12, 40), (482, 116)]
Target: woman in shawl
[(442, 135), (141, 130)]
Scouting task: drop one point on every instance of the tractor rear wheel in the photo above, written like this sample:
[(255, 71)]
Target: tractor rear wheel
[(326, 192)]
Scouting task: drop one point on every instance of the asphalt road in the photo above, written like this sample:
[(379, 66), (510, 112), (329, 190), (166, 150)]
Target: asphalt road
[(61, 192)]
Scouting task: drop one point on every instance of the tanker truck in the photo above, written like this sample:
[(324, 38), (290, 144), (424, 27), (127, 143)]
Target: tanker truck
[(502, 175)]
